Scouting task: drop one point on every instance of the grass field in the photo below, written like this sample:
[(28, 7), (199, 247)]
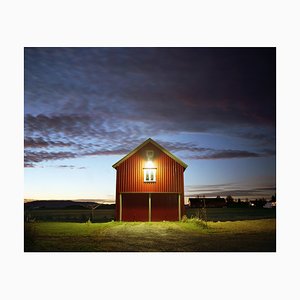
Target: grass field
[(190, 236)]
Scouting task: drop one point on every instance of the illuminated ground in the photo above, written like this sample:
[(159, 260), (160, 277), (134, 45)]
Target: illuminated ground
[(249, 236)]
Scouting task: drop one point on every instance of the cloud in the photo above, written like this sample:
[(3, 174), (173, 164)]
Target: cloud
[(69, 167), (31, 157), (180, 146), (155, 85), (225, 154), (262, 138), (78, 127), (42, 143), (106, 101), (197, 152), (29, 165), (68, 125), (122, 151), (82, 135), (190, 151)]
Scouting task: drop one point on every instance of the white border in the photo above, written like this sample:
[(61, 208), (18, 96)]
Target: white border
[(155, 23)]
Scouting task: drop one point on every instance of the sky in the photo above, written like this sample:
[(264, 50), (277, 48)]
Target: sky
[(85, 108)]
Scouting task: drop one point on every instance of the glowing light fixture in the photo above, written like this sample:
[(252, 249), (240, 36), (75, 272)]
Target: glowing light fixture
[(149, 165)]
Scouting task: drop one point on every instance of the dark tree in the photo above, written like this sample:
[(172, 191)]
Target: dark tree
[(229, 201)]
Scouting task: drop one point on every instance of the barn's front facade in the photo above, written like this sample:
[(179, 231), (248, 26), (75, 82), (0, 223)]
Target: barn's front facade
[(150, 185)]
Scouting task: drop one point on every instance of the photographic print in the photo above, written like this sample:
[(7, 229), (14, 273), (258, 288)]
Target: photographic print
[(150, 149)]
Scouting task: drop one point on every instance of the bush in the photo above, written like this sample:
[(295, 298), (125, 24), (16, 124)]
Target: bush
[(194, 220), (199, 222)]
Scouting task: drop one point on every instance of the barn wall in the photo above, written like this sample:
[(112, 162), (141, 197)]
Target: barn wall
[(169, 174), (130, 176)]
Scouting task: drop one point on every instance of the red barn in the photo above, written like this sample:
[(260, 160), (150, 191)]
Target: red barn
[(149, 185)]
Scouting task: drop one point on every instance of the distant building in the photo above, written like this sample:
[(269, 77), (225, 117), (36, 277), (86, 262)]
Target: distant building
[(217, 202)]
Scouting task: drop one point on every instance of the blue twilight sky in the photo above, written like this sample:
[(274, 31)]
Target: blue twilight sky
[(85, 108)]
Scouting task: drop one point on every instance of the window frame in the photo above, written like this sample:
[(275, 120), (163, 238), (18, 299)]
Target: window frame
[(149, 172)]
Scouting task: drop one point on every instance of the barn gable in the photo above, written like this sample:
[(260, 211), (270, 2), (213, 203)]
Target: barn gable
[(179, 161)]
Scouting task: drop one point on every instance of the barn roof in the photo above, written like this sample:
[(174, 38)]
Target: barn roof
[(155, 144)]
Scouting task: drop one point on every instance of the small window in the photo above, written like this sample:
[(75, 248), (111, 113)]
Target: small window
[(149, 175)]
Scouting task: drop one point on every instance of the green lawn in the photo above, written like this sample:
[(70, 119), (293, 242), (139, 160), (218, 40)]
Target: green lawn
[(248, 235)]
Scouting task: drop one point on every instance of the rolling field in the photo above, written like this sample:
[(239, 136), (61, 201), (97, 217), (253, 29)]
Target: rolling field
[(71, 215), (189, 236), (234, 214)]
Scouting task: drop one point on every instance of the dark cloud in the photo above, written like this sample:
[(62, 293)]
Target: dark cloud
[(28, 165), (268, 152), (187, 150), (78, 127), (224, 154), (210, 153), (122, 151), (36, 157), (179, 146), (103, 101), (68, 125), (42, 143), (203, 86)]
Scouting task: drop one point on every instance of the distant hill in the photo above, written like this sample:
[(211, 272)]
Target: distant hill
[(65, 204)]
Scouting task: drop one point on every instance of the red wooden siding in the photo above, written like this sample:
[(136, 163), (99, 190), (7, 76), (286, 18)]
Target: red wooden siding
[(169, 178), (169, 174), (135, 207), (164, 207)]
